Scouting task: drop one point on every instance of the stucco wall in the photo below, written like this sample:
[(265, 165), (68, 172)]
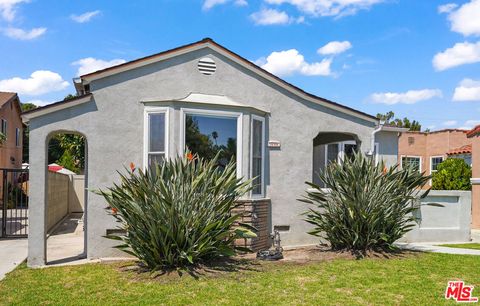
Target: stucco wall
[(387, 147), (76, 194), (113, 126), (475, 181), (450, 223)]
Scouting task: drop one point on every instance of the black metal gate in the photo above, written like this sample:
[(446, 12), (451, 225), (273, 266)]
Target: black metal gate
[(14, 203)]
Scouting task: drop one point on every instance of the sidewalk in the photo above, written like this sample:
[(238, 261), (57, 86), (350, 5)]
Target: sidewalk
[(12, 253), (429, 247)]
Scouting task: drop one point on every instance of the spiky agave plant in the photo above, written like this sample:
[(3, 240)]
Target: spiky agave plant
[(364, 206), (180, 213)]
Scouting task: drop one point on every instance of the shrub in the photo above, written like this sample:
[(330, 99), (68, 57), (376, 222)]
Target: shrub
[(452, 174), (366, 206), (180, 213)]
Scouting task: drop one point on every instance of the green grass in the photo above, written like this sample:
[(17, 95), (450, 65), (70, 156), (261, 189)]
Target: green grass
[(412, 280), (473, 246)]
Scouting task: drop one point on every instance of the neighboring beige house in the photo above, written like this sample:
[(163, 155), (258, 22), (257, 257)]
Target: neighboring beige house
[(11, 126), (426, 150)]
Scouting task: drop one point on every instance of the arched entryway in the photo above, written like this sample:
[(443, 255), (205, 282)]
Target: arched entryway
[(66, 198), (332, 147)]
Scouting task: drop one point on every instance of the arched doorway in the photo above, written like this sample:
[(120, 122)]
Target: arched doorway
[(66, 196)]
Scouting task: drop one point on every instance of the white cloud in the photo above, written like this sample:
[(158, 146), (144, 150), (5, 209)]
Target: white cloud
[(90, 64), (284, 63), (470, 124), (467, 90), (40, 82), (336, 8), (465, 20), (447, 8), (409, 97), (459, 54), (241, 2), (85, 17), (21, 34), (335, 47), (208, 4), (8, 9), (450, 123), (272, 16)]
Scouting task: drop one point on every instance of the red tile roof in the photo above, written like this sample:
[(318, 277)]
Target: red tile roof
[(467, 149), (474, 132)]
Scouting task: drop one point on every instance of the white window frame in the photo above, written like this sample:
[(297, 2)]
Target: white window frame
[(216, 114), (326, 151), (432, 157), (18, 139), (412, 156), (341, 150), (261, 119), (146, 132)]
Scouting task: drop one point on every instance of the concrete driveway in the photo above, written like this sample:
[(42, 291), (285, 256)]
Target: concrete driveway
[(12, 253)]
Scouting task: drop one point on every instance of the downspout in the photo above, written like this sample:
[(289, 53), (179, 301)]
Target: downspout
[(372, 138)]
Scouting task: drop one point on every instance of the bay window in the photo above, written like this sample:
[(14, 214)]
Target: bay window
[(208, 132)]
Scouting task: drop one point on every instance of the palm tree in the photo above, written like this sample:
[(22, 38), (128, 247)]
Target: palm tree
[(215, 136)]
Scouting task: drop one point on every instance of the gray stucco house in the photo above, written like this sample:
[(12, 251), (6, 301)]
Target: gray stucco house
[(146, 110)]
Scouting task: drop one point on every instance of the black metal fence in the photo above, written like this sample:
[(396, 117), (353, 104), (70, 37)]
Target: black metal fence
[(14, 203)]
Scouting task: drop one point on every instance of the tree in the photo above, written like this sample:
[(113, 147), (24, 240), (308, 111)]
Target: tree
[(67, 150), (452, 174), (215, 136), (2, 138), (27, 106), (390, 119), (26, 132), (197, 142), (68, 161), (69, 97)]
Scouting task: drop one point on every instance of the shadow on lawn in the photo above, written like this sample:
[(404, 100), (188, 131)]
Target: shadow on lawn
[(231, 266), (211, 269), (325, 252)]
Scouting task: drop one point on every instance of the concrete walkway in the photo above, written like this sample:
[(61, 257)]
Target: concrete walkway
[(12, 253), (428, 247), (65, 244)]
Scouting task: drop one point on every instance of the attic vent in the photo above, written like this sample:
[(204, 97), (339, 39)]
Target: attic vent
[(207, 66), (411, 140)]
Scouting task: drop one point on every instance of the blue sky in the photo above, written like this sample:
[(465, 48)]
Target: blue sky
[(420, 59)]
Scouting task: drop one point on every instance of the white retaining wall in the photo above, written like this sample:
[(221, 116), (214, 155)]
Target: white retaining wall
[(450, 223)]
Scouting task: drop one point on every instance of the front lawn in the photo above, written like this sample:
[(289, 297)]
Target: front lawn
[(473, 246), (418, 279)]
